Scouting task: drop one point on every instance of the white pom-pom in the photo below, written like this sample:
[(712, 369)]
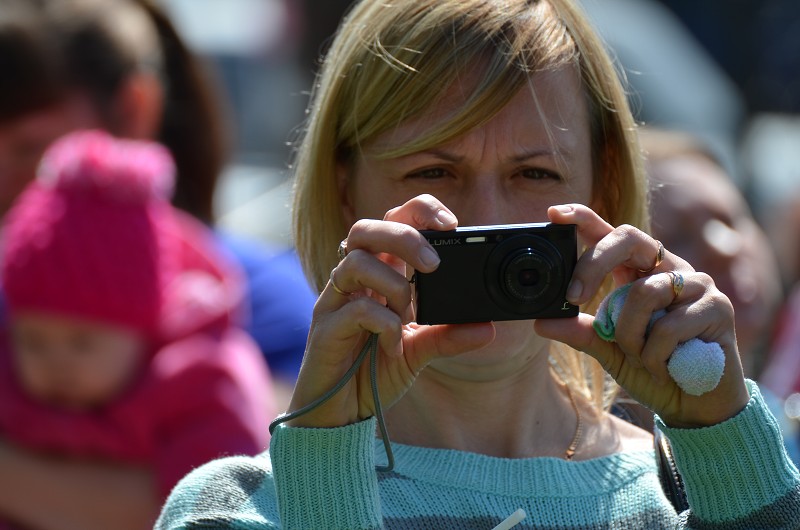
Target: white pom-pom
[(697, 366)]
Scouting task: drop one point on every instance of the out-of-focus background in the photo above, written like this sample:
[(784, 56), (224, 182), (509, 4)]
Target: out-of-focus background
[(253, 47), (264, 54)]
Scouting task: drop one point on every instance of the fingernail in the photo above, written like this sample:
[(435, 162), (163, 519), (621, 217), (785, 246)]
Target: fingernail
[(565, 208), (574, 291), (445, 218), (429, 257)]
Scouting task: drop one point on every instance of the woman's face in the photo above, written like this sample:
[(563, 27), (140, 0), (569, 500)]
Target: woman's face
[(535, 153), (24, 140)]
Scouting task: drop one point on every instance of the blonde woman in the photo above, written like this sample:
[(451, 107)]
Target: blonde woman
[(433, 114)]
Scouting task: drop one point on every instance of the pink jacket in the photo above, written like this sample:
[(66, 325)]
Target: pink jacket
[(205, 392)]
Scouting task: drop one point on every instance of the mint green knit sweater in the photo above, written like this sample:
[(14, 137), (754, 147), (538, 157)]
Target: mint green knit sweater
[(737, 476)]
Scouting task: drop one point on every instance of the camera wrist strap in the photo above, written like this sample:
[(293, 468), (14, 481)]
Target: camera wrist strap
[(371, 348)]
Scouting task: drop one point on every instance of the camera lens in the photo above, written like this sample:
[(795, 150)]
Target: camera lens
[(526, 275)]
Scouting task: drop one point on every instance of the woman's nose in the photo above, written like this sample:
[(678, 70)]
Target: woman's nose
[(483, 205)]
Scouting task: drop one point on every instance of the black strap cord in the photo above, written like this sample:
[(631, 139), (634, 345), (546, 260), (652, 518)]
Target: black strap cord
[(371, 348)]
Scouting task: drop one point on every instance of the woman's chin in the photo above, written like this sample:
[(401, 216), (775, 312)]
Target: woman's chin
[(514, 342)]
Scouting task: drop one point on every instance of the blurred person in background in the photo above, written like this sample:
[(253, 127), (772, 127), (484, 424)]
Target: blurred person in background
[(781, 375), (699, 212), (123, 367), (121, 65)]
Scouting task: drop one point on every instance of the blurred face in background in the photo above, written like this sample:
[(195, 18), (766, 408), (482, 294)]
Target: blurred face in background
[(73, 364), (24, 139), (700, 215)]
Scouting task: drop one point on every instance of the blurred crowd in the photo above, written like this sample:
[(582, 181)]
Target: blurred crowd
[(190, 108)]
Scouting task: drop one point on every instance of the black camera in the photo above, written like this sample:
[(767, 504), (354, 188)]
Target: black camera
[(503, 272)]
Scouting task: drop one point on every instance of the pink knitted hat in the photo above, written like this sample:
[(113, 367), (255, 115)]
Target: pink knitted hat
[(85, 239)]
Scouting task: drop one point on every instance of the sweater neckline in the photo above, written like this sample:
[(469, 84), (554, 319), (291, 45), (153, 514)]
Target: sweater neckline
[(541, 476)]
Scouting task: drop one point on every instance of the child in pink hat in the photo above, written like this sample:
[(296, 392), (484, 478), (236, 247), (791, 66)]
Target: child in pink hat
[(123, 342)]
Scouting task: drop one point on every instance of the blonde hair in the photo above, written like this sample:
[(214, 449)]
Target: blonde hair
[(393, 61)]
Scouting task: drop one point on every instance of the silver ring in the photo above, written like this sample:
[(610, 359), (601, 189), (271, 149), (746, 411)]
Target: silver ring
[(678, 282), (342, 250)]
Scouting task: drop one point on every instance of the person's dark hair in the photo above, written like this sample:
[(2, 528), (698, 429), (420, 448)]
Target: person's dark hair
[(92, 46), (192, 128), (29, 62)]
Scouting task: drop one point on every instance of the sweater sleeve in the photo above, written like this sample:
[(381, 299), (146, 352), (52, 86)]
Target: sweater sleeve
[(737, 473), (325, 478)]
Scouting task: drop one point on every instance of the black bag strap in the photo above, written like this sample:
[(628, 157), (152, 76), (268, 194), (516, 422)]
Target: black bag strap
[(668, 475)]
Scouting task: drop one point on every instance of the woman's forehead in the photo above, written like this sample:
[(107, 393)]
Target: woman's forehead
[(550, 110)]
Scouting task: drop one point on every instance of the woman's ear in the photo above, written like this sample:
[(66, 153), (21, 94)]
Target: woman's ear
[(139, 106), (343, 178)]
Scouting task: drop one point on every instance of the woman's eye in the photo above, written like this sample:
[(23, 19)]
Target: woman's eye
[(429, 173), (540, 174)]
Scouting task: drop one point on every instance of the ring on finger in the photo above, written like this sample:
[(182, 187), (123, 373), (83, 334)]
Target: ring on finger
[(677, 283), (659, 257), (336, 288), (342, 250)]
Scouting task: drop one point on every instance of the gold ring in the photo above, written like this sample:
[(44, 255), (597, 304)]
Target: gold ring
[(659, 258), (342, 250), (677, 283), (336, 287)]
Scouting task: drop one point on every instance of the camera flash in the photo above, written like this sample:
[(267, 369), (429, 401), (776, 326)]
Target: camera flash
[(476, 239)]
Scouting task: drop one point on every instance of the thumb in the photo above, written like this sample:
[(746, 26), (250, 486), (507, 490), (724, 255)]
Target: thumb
[(579, 334)]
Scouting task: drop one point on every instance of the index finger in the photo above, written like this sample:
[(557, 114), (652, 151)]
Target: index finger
[(423, 212), (398, 234), (591, 227)]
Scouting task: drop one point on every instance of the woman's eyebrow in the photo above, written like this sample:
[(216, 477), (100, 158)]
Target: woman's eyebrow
[(522, 156), (441, 154)]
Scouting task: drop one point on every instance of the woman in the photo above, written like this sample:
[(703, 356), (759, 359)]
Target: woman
[(429, 115)]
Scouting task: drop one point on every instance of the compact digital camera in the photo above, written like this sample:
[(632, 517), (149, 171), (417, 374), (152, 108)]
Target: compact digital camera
[(503, 272)]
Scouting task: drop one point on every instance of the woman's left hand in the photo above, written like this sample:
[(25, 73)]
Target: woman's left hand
[(637, 359)]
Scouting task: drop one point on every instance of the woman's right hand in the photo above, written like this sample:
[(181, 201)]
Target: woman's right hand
[(378, 299)]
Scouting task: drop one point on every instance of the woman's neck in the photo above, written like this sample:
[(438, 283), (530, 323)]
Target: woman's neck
[(505, 411)]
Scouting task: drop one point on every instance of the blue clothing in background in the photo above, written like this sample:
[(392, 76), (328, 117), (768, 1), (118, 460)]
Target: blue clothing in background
[(281, 301)]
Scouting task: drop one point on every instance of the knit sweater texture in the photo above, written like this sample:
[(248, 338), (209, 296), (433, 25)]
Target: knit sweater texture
[(737, 476)]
